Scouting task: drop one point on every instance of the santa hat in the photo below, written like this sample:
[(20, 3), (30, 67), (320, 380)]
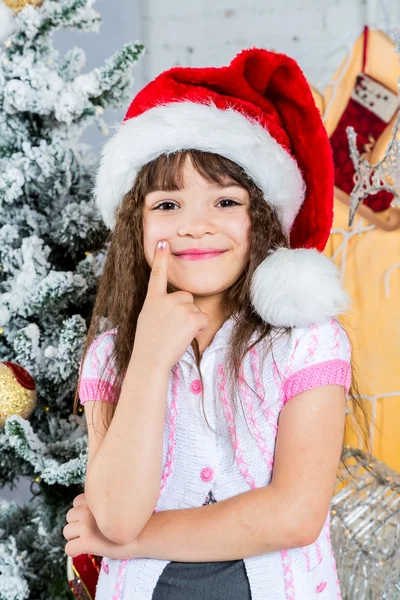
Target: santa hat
[(259, 112)]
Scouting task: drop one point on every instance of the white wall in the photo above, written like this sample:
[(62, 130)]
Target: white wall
[(121, 23), (317, 33)]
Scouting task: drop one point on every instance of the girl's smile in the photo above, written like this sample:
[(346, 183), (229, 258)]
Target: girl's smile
[(198, 253)]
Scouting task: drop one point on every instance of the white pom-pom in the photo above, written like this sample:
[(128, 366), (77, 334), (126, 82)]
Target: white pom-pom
[(7, 24), (297, 288)]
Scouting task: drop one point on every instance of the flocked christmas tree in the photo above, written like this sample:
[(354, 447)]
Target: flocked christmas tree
[(51, 254)]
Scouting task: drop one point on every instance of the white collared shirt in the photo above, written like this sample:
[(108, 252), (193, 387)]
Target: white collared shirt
[(239, 456)]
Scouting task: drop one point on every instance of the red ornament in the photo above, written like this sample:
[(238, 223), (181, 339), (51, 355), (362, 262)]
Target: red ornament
[(21, 375), (83, 573), (17, 392)]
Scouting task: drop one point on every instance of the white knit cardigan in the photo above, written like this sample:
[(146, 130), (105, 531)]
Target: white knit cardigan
[(195, 460)]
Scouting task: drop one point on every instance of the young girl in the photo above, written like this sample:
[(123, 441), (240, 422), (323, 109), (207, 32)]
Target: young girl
[(230, 169)]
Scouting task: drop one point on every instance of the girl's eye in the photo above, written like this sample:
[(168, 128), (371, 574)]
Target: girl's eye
[(173, 204), (229, 200), (163, 204)]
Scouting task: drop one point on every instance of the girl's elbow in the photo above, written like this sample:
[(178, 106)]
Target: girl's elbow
[(118, 533), (304, 532), (307, 536), (123, 529)]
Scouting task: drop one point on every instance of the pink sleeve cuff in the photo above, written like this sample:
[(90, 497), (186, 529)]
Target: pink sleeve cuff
[(96, 389), (330, 372)]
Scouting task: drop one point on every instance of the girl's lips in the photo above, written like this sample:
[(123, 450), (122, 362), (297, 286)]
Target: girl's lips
[(200, 256)]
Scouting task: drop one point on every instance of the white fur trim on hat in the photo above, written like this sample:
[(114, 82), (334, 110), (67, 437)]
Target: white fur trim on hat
[(297, 288), (187, 125)]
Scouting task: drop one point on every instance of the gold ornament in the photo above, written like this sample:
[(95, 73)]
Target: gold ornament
[(17, 5), (17, 392)]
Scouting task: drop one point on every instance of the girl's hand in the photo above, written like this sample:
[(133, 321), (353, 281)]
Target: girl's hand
[(84, 536), (167, 323)]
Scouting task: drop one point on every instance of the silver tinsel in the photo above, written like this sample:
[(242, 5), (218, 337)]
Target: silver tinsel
[(385, 175), (365, 528)]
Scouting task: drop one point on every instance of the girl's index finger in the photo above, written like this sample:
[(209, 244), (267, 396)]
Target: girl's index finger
[(159, 272)]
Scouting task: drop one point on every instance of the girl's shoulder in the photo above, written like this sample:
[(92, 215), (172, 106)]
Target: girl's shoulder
[(98, 353), (97, 369), (321, 341), (319, 354)]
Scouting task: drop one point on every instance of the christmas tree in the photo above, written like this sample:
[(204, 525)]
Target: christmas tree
[(51, 255)]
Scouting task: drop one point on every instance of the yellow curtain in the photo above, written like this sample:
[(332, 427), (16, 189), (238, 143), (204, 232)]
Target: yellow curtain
[(367, 256)]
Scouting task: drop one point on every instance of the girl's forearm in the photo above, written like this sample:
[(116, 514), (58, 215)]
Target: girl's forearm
[(249, 524), (114, 493)]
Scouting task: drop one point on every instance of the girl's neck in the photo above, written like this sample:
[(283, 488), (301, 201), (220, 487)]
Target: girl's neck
[(217, 319)]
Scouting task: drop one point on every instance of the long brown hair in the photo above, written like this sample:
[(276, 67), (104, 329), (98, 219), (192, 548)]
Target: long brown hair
[(123, 285)]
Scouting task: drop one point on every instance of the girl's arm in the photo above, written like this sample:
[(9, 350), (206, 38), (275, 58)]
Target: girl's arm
[(123, 479), (288, 513)]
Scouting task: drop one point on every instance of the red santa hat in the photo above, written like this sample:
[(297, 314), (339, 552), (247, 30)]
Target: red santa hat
[(260, 113)]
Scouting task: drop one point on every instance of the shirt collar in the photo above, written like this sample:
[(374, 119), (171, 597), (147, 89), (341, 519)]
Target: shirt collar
[(219, 340)]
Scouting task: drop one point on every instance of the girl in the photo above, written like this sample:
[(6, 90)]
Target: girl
[(230, 169)]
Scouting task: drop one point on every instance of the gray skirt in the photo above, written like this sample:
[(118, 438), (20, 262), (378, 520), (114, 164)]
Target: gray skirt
[(203, 580)]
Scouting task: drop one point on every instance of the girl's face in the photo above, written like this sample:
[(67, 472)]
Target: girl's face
[(200, 215)]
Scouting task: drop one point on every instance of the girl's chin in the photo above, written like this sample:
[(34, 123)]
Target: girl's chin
[(197, 290)]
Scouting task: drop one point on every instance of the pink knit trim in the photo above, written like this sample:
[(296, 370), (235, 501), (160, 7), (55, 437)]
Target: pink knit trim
[(172, 431), (329, 372), (227, 409), (288, 575), (96, 389), (254, 425), (120, 578)]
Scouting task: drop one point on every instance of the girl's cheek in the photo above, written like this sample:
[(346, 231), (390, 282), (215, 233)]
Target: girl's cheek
[(152, 233)]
